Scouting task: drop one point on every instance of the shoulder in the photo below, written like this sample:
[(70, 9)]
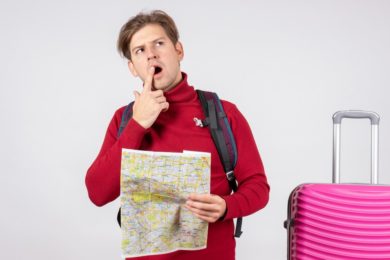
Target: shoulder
[(229, 107), (117, 117), (233, 114), (119, 112)]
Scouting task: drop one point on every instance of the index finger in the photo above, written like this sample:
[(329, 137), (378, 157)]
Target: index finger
[(149, 79)]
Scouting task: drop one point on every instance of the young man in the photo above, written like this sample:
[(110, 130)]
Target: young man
[(162, 120)]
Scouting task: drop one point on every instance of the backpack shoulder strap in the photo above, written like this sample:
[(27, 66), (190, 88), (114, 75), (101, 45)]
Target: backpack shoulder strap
[(223, 138), (219, 126), (127, 114)]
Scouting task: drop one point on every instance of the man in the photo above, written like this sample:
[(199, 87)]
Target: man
[(163, 121)]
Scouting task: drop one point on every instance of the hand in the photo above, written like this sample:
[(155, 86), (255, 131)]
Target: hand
[(149, 104), (207, 207)]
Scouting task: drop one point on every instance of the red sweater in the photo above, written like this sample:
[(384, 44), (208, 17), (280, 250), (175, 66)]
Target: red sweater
[(175, 131)]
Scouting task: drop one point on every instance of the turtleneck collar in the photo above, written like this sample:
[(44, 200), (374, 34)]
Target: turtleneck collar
[(182, 92)]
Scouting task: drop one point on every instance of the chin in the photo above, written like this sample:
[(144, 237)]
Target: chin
[(161, 86)]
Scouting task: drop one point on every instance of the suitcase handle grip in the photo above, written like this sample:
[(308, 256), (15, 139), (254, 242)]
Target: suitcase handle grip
[(338, 116), (374, 117)]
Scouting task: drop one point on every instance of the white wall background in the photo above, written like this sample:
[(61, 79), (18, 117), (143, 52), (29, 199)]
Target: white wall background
[(288, 65)]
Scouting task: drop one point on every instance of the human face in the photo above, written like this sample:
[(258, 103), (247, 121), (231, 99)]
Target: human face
[(151, 47)]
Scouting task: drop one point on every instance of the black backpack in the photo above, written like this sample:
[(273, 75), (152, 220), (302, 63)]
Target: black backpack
[(218, 124)]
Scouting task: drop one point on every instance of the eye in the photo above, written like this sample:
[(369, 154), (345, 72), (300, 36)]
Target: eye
[(138, 51), (159, 43)]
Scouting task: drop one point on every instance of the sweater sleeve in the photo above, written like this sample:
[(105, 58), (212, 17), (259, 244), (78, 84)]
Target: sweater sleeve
[(253, 189), (103, 176)]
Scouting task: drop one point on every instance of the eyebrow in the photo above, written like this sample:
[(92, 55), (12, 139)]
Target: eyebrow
[(142, 45)]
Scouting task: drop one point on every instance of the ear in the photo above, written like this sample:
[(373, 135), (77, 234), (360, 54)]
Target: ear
[(132, 68), (179, 50)]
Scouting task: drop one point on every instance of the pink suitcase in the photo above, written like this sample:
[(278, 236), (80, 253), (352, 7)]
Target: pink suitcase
[(341, 221)]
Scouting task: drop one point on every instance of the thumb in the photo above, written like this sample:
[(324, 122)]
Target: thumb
[(166, 107)]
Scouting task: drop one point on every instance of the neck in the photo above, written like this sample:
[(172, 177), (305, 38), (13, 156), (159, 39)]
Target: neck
[(177, 81)]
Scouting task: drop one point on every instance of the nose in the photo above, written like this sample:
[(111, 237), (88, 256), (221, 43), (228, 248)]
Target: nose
[(151, 54)]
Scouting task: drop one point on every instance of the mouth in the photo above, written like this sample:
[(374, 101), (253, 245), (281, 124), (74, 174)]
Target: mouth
[(157, 70)]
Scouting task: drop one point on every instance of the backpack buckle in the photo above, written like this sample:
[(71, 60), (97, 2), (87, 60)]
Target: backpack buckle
[(230, 176)]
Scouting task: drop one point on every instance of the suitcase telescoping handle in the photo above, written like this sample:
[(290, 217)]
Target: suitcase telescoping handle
[(374, 118)]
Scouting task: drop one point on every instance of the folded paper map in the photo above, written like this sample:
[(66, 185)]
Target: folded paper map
[(154, 188)]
